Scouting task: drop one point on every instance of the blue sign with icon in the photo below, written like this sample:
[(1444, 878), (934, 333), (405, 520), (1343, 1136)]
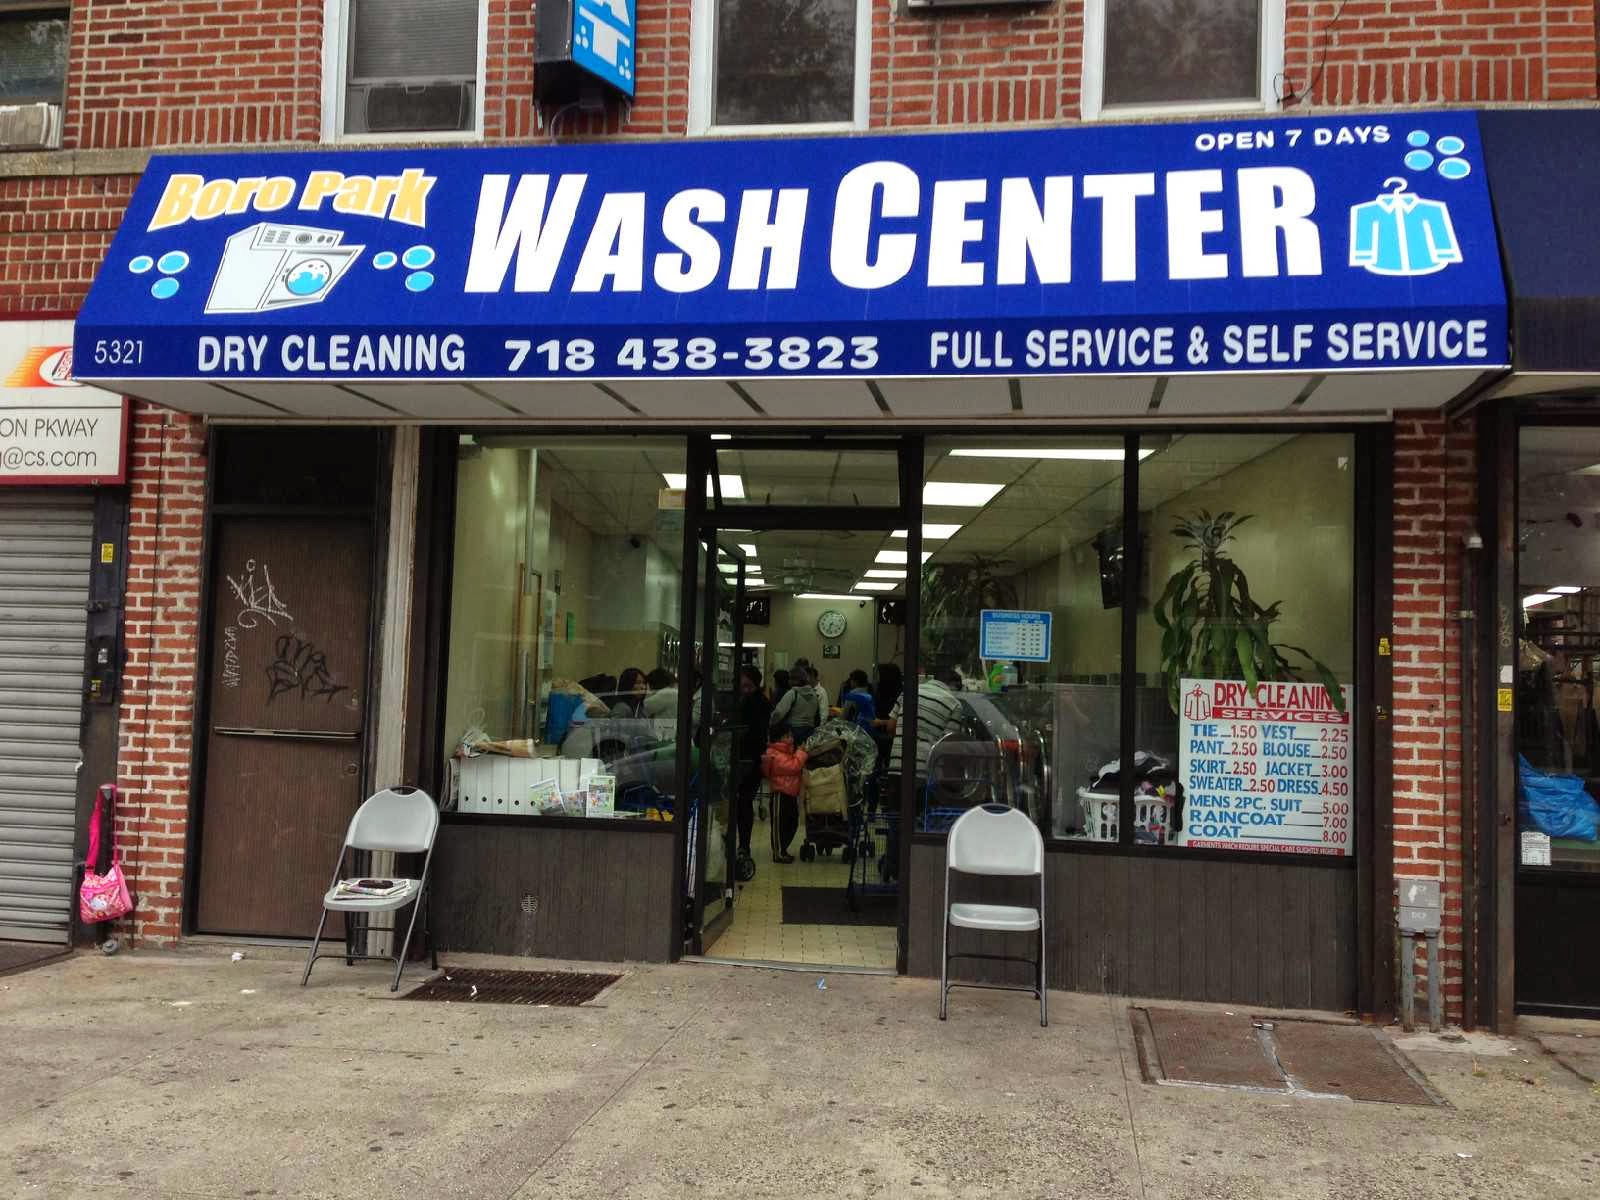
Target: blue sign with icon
[(1324, 244), (603, 41)]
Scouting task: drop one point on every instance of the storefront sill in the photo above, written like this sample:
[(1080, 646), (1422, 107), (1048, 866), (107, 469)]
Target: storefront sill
[(598, 824), (1173, 853)]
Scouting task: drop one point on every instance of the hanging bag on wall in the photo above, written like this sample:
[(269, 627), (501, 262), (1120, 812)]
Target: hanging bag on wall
[(103, 897)]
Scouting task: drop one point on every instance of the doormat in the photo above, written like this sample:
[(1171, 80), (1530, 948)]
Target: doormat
[(1282, 1056), (828, 906), (554, 989), (20, 956)]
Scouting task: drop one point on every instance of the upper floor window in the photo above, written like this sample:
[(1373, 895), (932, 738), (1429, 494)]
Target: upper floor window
[(404, 67), (33, 53), (1144, 56), (779, 64)]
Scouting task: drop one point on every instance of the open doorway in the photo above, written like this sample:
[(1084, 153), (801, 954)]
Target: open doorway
[(793, 854)]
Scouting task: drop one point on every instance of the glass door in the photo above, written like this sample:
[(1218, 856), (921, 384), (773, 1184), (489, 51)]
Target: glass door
[(718, 740)]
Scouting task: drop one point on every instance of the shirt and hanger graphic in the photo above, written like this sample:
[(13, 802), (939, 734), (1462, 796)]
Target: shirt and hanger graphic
[(1400, 233)]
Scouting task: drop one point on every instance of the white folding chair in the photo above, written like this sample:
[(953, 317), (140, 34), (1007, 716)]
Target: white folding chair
[(994, 840), (403, 821)]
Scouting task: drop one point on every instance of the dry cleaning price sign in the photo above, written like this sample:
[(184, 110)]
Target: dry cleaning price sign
[(1266, 771)]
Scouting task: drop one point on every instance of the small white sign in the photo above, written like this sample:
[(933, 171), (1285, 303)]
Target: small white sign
[(53, 430), (1535, 848)]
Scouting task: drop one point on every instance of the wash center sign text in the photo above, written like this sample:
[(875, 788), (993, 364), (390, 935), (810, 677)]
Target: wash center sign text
[(1285, 245)]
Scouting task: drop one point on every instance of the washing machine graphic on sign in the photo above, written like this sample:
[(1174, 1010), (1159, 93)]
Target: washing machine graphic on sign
[(270, 266)]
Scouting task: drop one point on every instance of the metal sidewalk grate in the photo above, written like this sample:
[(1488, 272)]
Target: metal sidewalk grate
[(1347, 1061), (564, 989), (1209, 1047), (1298, 1057)]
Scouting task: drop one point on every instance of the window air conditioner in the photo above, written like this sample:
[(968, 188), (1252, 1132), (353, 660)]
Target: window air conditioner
[(30, 126), (409, 106)]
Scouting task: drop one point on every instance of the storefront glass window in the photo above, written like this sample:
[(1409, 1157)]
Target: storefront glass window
[(562, 694), (1558, 659), (1021, 707), (1245, 644)]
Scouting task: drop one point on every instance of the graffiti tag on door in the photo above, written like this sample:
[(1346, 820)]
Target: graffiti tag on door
[(258, 598), (300, 667)]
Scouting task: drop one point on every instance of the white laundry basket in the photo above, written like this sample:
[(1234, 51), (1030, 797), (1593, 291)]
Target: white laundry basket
[(1151, 815)]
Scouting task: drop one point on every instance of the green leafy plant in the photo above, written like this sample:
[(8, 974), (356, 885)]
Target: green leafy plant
[(1213, 628), (953, 594)]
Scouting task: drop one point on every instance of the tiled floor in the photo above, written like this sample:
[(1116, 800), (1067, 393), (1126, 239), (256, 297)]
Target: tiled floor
[(758, 931)]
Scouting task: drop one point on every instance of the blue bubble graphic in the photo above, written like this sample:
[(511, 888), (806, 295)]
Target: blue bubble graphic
[(384, 259), (418, 257), (140, 263), (1417, 137), (164, 288), (1419, 160), (172, 262), (1455, 168), (1451, 145), (419, 282)]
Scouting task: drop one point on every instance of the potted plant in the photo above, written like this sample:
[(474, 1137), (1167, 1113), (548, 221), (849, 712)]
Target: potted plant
[(1213, 628), (953, 595)]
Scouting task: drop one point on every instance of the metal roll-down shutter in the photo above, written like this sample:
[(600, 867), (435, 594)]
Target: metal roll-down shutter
[(45, 557)]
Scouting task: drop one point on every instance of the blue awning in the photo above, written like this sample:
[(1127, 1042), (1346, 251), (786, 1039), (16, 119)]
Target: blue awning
[(1296, 247), (1544, 176)]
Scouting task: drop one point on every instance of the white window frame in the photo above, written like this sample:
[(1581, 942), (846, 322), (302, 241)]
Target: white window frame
[(703, 80), (336, 58), (1094, 63)]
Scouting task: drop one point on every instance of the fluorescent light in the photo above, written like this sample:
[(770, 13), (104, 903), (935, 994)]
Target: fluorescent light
[(732, 485), (728, 568), (1538, 598), (824, 596), (1081, 453), (880, 573), (722, 437), (873, 586), (748, 548), (746, 645), (1566, 590), (932, 533), (960, 495), (899, 556)]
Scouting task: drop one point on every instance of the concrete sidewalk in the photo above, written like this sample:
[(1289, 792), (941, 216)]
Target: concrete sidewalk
[(189, 1075)]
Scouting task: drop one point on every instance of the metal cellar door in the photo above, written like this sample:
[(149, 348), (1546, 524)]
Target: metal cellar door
[(287, 688), (46, 543)]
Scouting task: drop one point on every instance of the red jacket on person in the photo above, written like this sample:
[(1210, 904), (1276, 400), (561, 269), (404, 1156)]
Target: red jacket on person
[(782, 764)]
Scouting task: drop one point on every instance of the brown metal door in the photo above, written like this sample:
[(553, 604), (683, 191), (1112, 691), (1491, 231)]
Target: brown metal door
[(287, 687)]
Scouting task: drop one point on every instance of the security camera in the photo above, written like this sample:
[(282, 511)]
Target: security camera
[(633, 540)]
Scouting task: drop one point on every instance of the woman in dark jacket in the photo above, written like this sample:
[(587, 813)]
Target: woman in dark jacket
[(754, 714)]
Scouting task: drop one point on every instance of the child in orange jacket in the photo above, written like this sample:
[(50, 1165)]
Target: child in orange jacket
[(783, 764)]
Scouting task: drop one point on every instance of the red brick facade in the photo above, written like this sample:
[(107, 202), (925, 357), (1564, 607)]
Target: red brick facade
[(1435, 509), (166, 477), (176, 73)]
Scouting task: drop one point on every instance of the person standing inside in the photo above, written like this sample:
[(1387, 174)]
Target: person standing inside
[(802, 707), (938, 713), (783, 764), (755, 712), (857, 702)]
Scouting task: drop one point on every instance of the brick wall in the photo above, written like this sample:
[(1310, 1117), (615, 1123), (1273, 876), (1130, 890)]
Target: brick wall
[(1435, 509), (1387, 52), (223, 72), (167, 471), (53, 233), (193, 72)]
